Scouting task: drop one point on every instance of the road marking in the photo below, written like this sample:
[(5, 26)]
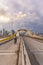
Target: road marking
[(8, 53)]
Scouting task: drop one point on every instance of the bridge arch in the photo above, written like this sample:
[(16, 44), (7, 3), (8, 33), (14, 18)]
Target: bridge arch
[(26, 30)]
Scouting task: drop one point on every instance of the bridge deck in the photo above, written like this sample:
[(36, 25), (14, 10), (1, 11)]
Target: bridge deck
[(26, 51), (9, 53)]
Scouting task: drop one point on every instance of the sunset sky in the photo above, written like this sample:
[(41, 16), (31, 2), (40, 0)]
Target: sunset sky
[(21, 14)]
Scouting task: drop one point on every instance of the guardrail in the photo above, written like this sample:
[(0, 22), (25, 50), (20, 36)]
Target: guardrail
[(38, 37), (7, 38), (35, 37)]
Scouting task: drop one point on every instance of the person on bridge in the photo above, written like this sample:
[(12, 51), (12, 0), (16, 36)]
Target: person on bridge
[(15, 39)]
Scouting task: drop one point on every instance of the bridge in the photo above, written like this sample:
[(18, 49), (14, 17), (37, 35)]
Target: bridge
[(28, 50), (26, 30)]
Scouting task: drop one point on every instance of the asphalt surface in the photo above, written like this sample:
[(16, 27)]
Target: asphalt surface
[(8, 53), (34, 50)]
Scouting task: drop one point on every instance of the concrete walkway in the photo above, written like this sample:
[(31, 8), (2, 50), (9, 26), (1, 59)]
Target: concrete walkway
[(9, 53)]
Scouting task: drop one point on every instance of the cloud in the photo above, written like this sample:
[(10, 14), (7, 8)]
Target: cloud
[(33, 16), (20, 7), (24, 16), (1, 27), (20, 15), (38, 6), (21, 12)]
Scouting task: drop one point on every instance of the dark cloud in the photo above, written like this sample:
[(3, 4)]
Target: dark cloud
[(25, 6)]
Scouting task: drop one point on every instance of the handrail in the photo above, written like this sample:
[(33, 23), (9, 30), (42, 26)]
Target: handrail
[(8, 38)]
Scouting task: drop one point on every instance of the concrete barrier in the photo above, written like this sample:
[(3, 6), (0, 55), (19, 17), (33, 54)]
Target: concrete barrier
[(20, 54), (25, 57)]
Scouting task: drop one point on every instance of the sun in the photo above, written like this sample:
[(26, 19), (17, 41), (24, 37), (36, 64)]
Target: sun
[(4, 18)]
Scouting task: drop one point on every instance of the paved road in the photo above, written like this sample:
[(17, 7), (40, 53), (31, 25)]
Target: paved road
[(35, 50), (8, 53)]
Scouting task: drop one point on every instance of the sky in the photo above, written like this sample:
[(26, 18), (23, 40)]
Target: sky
[(16, 14)]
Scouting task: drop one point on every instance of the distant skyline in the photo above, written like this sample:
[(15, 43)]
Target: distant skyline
[(21, 14)]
